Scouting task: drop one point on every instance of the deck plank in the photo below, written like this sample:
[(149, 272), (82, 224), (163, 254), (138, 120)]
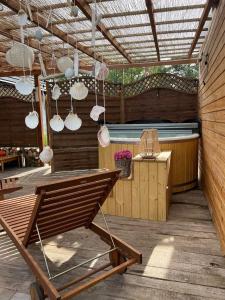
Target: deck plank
[(181, 257)]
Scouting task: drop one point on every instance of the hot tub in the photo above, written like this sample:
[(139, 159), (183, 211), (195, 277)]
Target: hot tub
[(180, 138)]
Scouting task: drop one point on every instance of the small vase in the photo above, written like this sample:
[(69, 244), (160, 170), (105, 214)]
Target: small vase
[(125, 166)]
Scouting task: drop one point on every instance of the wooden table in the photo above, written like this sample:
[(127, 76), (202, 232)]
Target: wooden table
[(146, 194), (9, 158)]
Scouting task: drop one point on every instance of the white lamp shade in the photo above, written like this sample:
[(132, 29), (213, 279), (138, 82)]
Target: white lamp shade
[(63, 63), (69, 73), (24, 86), (32, 120), (78, 91), (72, 122), (22, 17), (38, 34), (56, 92), (46, 155), (56, 123), (20, 55), (103, 136)]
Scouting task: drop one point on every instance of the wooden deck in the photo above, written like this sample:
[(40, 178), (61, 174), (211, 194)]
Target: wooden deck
[(181, 257)]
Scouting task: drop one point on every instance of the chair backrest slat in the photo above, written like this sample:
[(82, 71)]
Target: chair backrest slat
[(67, 204)]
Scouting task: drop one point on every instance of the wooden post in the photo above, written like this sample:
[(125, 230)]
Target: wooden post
[(122, 106)]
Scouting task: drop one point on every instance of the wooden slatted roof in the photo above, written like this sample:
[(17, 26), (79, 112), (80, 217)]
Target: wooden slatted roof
[(130, 32)]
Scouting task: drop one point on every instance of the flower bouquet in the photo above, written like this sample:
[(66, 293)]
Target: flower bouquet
[(123, 162)]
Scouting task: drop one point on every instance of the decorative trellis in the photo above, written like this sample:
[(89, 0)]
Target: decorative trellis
[(159, 81), (110, 88), (8, 90), (155, 81)]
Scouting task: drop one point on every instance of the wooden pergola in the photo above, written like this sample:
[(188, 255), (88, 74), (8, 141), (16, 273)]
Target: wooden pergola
[(130, 33)]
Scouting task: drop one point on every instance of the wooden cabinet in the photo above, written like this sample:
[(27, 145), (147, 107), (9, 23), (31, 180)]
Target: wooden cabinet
[(146, 194)]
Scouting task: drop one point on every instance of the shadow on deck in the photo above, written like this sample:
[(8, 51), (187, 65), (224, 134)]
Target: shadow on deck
[(181, 257)]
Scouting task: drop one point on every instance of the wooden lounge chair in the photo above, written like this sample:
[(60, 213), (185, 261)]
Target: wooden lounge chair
[(9, 185), (54, 209)]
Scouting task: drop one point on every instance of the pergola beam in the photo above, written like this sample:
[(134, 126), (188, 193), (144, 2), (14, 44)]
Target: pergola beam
[(154, 63), (15, 6), (202, 21), (153, 26), (86, 9)]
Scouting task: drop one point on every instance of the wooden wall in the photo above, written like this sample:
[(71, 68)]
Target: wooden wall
[(13, 129), (212, 113), (164, 104), (79, 149)]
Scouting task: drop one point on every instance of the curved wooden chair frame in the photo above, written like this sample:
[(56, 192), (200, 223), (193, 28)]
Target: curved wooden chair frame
[(54, 209)]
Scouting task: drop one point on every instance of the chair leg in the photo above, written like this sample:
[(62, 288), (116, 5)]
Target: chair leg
[(36, 292), (116, 258)]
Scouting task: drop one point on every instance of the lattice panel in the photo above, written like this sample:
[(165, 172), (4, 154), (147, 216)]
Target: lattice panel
[(8, 90), (110, 88), (162, 80)]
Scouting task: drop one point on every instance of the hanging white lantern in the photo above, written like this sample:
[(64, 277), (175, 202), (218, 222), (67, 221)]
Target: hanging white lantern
[(24, 86), (20, 55), (64, 63), (74, 11), (98, 19), (56, 123), (103, 136), (56, 92), (69, 73), (78, 91), (38, 34), (96, 111), (73, 122), (32, 120), (22, 17), (46, 155), (101, 71)]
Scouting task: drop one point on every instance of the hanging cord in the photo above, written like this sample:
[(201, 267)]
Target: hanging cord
[(32, 101), (104, 102), (72, 105)]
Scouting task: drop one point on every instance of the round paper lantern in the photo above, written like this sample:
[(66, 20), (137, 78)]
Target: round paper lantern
[(78, 91), (103, 136), (73, 122), (56, 123), (24, 86), (63, 63), (46, 155), (69, 73), (38, 34), (20, 55), (22, 17), (56, 92), (32, 120)]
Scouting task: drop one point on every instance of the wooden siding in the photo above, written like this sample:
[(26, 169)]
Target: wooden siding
[(146, 194), (161, 104), (14, 132), (79, 149), (184, 171), (212, 112)]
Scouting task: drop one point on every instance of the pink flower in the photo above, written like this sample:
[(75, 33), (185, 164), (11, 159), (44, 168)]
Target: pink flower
[(123, 154)]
